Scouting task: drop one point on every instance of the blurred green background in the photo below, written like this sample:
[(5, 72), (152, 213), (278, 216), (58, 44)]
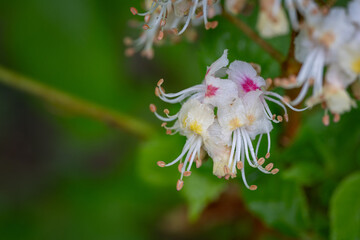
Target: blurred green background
[(68, 177)]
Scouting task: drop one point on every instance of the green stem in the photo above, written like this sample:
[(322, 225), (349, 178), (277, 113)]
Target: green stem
[(121, 121)]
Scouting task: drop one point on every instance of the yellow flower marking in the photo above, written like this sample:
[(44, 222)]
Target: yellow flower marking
[(235, 123), (355, 66), (195, 127)]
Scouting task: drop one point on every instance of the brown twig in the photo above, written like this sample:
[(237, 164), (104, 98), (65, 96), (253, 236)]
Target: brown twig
[(121, 121), (255, 37)]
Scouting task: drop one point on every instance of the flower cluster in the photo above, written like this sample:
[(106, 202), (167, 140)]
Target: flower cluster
[(171, 17), (226, 134), (328, 41)]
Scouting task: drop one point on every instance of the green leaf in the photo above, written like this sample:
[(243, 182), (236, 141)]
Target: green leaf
[(279, 203), (199, 190), (345, 209), (304, 173)]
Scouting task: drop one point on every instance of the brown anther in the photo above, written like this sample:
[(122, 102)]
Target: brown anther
[(336, 117), (157, 92), (133, 10), (180, 167), (147, 18), (261, 161), (187, 173), (152, 108), (128, 41), (129, 52), (227, 176), (269, 166), (280, 118), (161, 164), (163, 124), (239, 165), (212, 25), (160, 35), (253, 187), (145, 27), (286, 117), (326, 120), (166, 111), (160, 82), (274, 117), (267, 155), (179, 185), (275, 171), (226, 169), (168, 132)]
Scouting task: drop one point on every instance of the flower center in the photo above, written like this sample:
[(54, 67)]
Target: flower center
[(211, 91), (195, 127), (235, 123), (355, 66), (251, 119), (249, 85)]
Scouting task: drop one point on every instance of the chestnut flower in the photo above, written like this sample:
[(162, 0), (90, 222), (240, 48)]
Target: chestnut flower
[(222, 117)]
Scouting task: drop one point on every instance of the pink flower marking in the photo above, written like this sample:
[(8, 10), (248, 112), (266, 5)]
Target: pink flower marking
[(249, 85), (211, 91)]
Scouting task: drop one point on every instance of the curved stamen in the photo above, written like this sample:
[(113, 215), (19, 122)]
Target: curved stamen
[(194, 153), (284, 102), (246, 149), (258, 144), (186, 147), (302, 94), (191, 14)]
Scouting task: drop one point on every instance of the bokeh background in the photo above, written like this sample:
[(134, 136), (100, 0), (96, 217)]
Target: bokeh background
[(63, 176)]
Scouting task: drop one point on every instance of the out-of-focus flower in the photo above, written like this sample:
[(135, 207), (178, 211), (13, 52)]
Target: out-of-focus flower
[(272, 20), (234, 6), (223, 117), (317, 45), (165, 17)]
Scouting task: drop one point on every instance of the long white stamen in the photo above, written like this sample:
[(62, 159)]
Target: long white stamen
[(195, 88), (196, 150), (306, 68), (302, 94), (277, 102), (204, 3), (284, 102), (243, 172), (247, 150), (192, 147), (269, 142), (258, 144), (231, 158), (191, 14), (186, 147), (164, 119)]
